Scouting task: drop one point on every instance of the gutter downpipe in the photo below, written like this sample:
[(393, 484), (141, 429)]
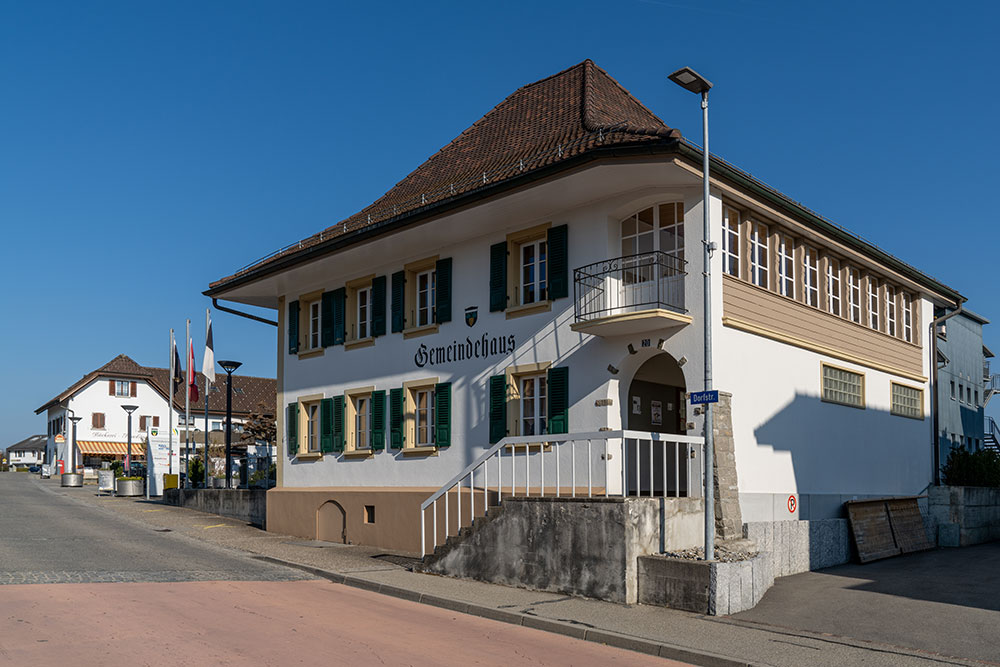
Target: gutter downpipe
[(240, 313), (936, 448)]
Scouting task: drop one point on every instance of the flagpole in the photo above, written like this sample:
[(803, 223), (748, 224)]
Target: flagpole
[(187, 408), (170, 407), (207, 372)]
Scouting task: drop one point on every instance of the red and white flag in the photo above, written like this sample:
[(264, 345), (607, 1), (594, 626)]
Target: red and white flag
[(192, 379)]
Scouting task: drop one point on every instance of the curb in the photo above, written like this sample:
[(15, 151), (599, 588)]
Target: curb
[(694, 657)]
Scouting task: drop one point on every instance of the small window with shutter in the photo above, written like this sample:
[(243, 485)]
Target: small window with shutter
[(97, 420)]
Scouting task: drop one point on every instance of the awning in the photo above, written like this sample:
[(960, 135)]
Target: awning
[(96, 448)]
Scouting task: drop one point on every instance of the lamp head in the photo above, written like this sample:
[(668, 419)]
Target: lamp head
[(688, 79), (130, 408), (230, 366), (75, 419)]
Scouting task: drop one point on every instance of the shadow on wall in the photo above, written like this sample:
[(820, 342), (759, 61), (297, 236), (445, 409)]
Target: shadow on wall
[(836, 449)]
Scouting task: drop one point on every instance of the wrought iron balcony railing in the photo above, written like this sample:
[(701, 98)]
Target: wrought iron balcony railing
[(652, 280)]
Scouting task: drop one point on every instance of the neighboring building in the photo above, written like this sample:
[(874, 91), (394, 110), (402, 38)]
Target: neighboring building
[(98, 397), (542, 274), (28, 452), (965, 384)]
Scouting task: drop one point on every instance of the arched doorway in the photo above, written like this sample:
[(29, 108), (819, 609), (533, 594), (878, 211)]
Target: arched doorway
[(656, 403), (331, 523)]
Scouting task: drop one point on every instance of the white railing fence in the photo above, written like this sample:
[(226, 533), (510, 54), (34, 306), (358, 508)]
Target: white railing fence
[(588, 465)]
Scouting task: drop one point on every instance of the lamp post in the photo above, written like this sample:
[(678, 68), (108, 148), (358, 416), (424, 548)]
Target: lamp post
[(229, 367), (72, 447), (690, 80), (128, 447)]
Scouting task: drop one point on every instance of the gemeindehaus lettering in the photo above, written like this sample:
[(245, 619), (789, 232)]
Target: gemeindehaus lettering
[(480, 348)]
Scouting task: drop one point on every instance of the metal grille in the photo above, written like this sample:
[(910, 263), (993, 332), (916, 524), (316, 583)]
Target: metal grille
[(628, 284)]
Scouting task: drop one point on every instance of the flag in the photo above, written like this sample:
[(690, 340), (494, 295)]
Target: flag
[(178, 378), (192, 379), (208, 363)]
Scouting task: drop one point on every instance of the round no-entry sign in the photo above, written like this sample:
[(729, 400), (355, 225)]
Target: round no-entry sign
[(791, 504)]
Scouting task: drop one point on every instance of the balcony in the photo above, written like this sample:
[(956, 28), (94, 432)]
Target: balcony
[(630, 295)]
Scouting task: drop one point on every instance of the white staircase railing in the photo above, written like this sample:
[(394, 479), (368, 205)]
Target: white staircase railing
[(610, 463)]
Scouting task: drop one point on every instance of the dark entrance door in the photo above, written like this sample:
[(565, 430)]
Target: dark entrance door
[(656, 404)]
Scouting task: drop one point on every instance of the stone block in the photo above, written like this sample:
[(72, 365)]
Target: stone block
[(948, 535)]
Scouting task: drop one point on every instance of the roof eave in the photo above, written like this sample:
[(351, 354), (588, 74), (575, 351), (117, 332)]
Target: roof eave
[(424, 213)]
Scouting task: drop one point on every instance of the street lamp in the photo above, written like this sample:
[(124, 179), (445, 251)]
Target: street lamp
[(690, 80), (128, 447), (72, 449), (229, 367)]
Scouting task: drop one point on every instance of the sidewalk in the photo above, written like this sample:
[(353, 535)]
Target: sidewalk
[(683, 636)]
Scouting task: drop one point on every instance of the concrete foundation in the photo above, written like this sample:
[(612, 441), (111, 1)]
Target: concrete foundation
[(707, 588), (244, 504), (801, 546), (581, 546), (960, 516)]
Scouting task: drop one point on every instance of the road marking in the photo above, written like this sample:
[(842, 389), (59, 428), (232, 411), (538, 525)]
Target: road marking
[(213, 526), (152, 510)]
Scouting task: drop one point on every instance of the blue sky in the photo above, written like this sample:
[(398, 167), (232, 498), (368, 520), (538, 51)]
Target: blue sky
[(148, 148)]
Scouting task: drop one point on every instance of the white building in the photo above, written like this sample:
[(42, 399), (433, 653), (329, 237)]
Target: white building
[(28, 452), (541, 275), (102, 432)]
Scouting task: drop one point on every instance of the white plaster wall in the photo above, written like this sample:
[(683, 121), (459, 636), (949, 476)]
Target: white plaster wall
[(789, 441), (543, 337)]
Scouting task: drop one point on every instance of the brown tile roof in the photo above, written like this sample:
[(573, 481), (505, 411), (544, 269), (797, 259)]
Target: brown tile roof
[(34, 443), (248, 392), (540, 124)]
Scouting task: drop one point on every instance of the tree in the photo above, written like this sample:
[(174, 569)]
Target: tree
[(261, 427)]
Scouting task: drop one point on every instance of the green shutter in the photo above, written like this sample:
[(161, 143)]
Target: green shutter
[(396, 418), (326, 319), (498, 408), (326, 425), (339, 315), (498, 276), (558, 400), (292, 428), (378, 306), (442, 290), (293, 327), (398, 301), (442, 414), (378, 420), (338, 424), (558, 262)]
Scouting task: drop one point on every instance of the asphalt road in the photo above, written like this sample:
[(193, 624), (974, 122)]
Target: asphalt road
[(86, 586)]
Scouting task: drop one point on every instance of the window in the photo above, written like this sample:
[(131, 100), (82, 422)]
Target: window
[(731, 242), (423, 416), (890, 310), (312, 426), (758, 254), (843, 386), (907, 318), (873, 304), (968, 395), (534, 262), (810, 276), (907, 401), (217, 426), (123, 388), (364, 312), (786, 266), (533, 405), (314, 340), (961, 393), (425, 298), (975, 396), (97, 420), (953, 390), (854, 294), (362, 422), (833, 287)]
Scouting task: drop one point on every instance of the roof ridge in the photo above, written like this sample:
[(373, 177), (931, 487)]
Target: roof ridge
[(588, 96), (240, 375)]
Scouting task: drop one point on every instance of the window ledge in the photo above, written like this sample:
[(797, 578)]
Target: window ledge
[(416, 332), (426, 450), (529, 309), (359, 454), (309, 456), (362, 342), (309, 354)]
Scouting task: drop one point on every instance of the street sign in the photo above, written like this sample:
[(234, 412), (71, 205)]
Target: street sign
[(698, 397)]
